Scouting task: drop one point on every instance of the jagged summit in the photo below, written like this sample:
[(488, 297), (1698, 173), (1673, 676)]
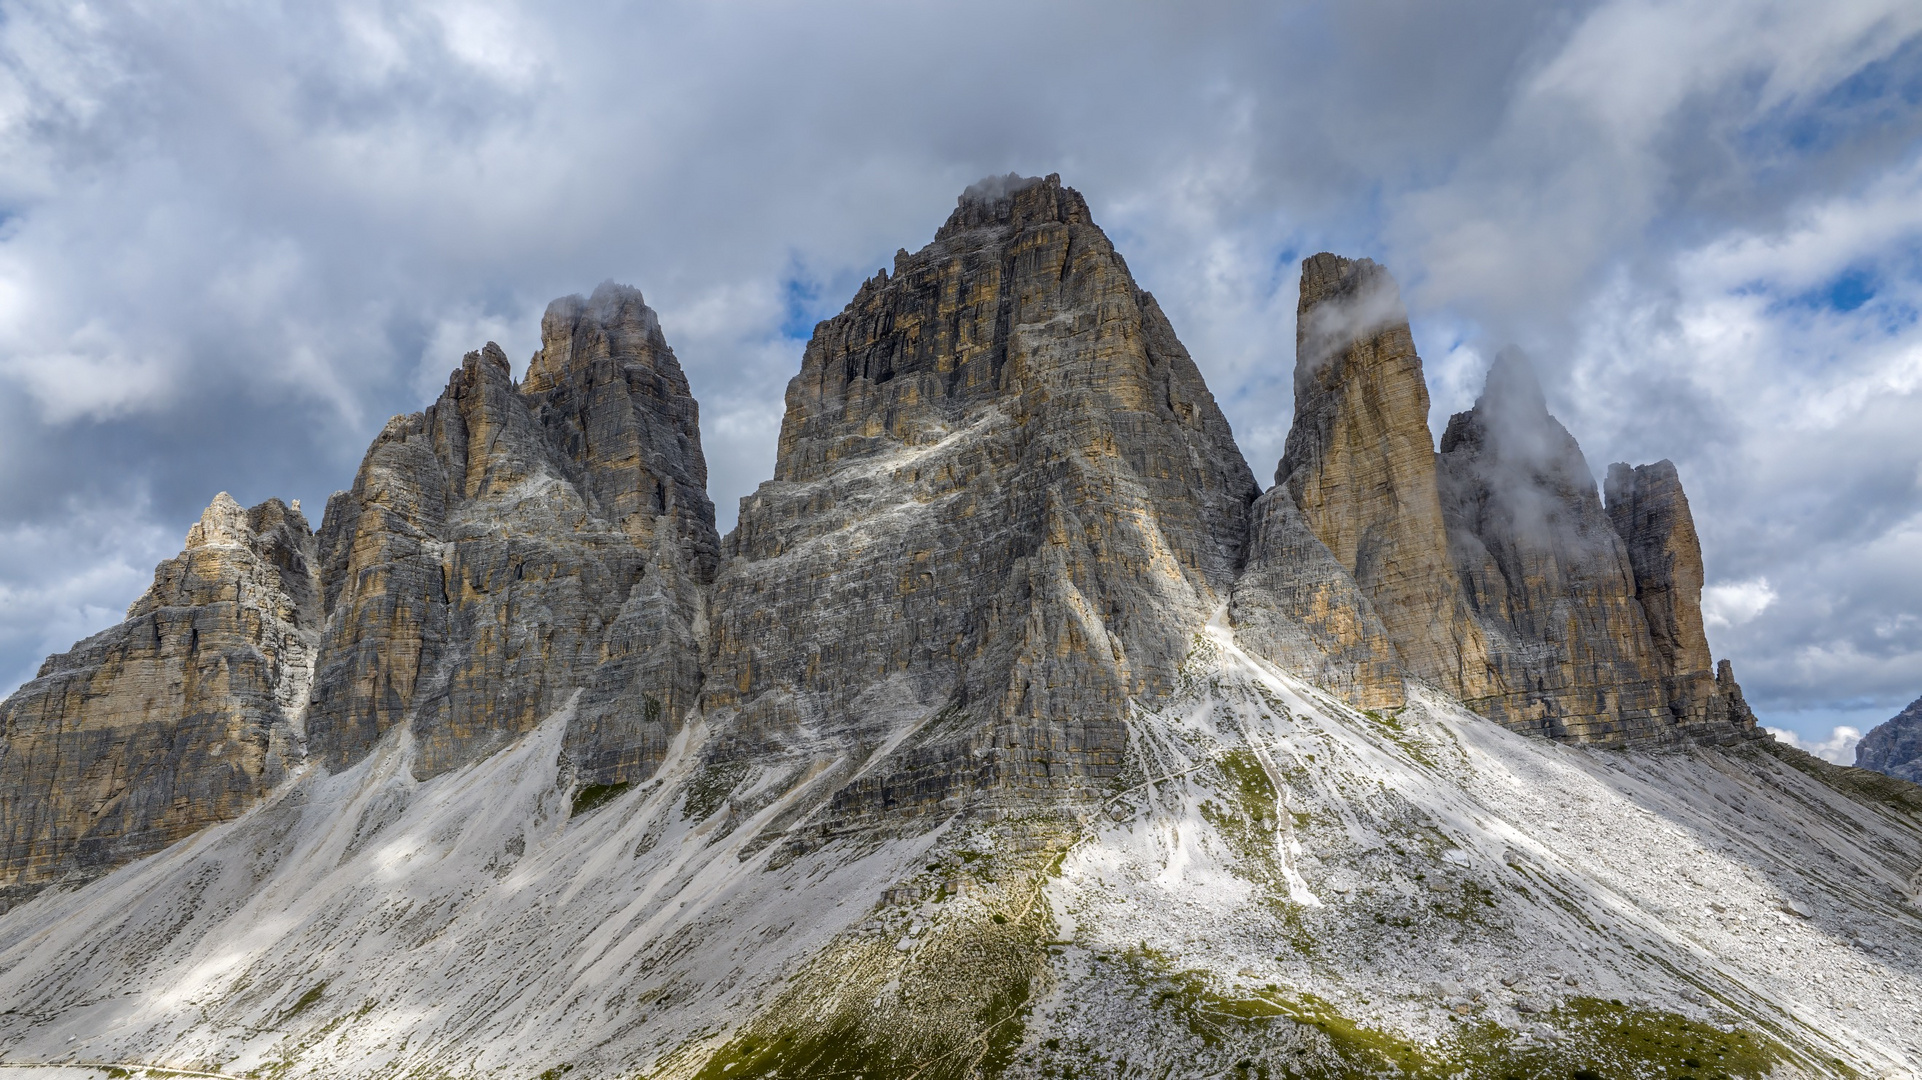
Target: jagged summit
[(1360, 464), (1016, 202), (1014, 732), (1003, 497), (184, 715), (614, 322), (1544, 570), (513, 550)]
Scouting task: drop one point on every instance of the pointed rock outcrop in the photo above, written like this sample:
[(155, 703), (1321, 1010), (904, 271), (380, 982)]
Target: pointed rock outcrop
[(1545, 572), (1651, 514), (1360, 466), (1894, 746), (1004, 502), (513, 550), (181, 716)]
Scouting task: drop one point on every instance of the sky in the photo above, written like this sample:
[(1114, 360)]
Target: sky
[(235, 238)]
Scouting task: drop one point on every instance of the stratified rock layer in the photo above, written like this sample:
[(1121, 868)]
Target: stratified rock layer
[(179, 717), (1003, 505), (1360, 465), (1894, 746), (1491, 570), (512, 547)]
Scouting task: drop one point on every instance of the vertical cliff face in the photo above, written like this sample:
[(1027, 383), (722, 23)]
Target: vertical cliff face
[(1651, 514), (1003, 504), (1297, 605), (1492, 569), (1360, 465), (181, 716), (1544, 570), (512, 547)]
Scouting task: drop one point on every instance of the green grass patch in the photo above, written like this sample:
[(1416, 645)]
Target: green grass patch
[(1273, 1032), (595, 796), (304, 1002)]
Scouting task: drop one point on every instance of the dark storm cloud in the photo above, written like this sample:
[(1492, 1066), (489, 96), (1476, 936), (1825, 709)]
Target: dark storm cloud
[(234, 239)]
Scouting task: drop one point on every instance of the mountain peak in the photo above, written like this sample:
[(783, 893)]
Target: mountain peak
[(612, 323), (1016, 201)]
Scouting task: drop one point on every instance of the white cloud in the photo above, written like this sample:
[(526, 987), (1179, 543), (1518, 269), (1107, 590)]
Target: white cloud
[(1734, 603), (83, 572), (1839, 747)]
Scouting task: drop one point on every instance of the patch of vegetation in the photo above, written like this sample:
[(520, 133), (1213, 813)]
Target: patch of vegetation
[(595, 796), (711, 787), (952, 1008), (1273, 1033), (1389, 724), (1249, 821), (1863, 785), (305, 1002)]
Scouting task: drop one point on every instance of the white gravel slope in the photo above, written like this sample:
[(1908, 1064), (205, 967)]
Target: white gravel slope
[(1411, 871)]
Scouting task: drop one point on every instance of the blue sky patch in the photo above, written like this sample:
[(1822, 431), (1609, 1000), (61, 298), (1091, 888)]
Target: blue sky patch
[(800, 306)]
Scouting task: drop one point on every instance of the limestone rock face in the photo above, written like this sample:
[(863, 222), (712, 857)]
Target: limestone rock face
[(1005, 512), (512, 547), (1651, 514), (1003, 505), (1492, 569), (1360, 465), (179, 717), (1544, 570), (1894, 746), (1299, 607), (613, 398)]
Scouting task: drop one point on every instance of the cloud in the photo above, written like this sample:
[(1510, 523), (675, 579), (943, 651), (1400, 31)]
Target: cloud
[(1839, 747), (1697, 218), (1735, 603)]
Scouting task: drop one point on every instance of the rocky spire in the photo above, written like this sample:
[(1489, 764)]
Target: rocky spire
[(1004, 502), (512, 550), (1544, 571), (614, 399), (179, 717), (1650, 512), (1360, 465)]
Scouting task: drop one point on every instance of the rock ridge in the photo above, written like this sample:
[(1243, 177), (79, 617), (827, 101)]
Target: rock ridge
[(516, 549), (1004, 509), (1894, 747), (181, 716)]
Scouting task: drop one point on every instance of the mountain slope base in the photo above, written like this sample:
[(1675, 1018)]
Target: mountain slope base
[(1276, 879)]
